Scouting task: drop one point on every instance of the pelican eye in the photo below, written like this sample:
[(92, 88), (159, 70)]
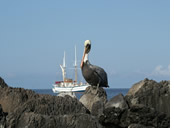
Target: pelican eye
[(87, 46)]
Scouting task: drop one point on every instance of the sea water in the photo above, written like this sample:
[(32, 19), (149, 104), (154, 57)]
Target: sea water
[(111, 92)]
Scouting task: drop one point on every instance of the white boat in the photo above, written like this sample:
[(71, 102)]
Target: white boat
[(68, 85)]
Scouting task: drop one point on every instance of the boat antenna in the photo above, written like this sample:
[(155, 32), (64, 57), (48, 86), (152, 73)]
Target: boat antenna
[(75, 65), (64, 64), (63, 67)]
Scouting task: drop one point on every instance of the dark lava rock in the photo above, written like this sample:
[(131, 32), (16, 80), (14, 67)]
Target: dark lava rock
[(97, 108), (51, 111), (117, 102), (72, 94), (52, 105), (111, 117), (2, 83), (27, 109), (33, 120), (151, 94), (136, 126), (2, 118), (137, 114), (96, 97), (148, 117), (11, 98), (147, 104)]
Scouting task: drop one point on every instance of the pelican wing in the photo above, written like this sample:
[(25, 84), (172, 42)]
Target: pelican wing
[(100, 73)]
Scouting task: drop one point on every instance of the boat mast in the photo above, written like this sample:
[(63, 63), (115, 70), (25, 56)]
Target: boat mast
[(75, 65), (63, 67)]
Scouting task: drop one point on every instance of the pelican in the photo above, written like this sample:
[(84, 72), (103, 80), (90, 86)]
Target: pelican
[(94, 75)]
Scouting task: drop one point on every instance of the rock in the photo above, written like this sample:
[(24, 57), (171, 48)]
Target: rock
[(85, 121), (2, 118), (136, 126), (117, 102), (96, 97), (137, 114), (52, 105), (62, 94), (142, 115), (2, 83), (97, 108), (33, 120), (111, 117), (27, 109), (151, 94), (12, 98), (138, 109), (44, 108)]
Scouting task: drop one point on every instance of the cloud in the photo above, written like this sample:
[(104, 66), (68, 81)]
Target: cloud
[(161, 71), (158, 72)]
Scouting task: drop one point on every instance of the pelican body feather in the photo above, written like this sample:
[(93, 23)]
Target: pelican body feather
[(94, 75)]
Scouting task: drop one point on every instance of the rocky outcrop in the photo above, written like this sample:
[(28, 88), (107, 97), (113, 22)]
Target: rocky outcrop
[(117, 102), (72, 94), (142, 115), (136, 126), (2, 83), (136, 116), (94, 99), (147, 104), (51, 111), (33, 120), (2, 118), (27, 109), (11, 98), (151, 94)]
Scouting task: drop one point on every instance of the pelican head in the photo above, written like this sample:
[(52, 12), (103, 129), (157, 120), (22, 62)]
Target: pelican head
[(87, 46)]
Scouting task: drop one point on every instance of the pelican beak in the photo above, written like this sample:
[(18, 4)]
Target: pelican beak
[(81, 65), (86, 51)]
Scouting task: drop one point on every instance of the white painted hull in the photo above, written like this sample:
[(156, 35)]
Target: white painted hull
[(57, 89)]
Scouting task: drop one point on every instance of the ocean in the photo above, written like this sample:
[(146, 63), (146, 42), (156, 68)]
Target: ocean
[(111, 92)]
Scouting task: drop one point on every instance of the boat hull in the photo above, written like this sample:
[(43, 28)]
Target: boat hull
[(57, 89)]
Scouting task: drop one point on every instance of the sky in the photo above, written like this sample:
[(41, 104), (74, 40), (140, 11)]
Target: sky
[(130, 40)]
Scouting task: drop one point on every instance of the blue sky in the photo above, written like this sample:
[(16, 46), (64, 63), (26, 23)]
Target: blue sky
[(130, 39)]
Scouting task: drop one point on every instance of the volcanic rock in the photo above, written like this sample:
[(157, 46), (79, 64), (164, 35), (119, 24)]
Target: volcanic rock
[(147, 104), (137, 114), (117, 102), (47, 109), (97, 108), (148, 117), (27, 109), (33, 120), (72, 94), (151, 94), (2, 83), (136, 126), (11, 98), (2, 118), (96, 97), (111, 117)]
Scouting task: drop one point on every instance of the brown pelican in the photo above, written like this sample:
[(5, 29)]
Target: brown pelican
[(94, 75)]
